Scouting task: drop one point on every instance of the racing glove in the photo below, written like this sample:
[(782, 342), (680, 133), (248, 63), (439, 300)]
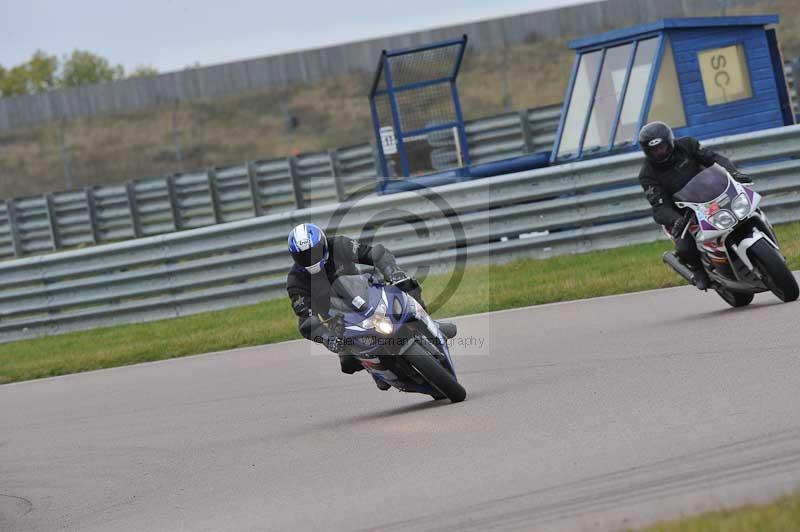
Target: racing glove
[(742, 178), (335, 339), (333, 342), (398, 276), (301, 306), (407, 284), (678, 227)]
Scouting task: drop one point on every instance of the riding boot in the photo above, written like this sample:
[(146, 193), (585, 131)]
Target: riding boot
[(701, 279), (686, 251), (449, 330), (349, 364), (380, 383)]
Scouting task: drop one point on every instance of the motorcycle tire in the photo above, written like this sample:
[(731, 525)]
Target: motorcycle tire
[(436, 375), (774, 271)]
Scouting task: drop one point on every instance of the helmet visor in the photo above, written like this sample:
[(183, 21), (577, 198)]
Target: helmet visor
[(660, 152), (310, 256)]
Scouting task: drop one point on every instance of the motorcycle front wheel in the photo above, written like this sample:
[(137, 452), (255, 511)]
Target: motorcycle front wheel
[(774, 271), (433, 372)]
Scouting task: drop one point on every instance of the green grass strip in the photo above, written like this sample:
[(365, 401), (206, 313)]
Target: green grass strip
[(484, 288), (780, 516)]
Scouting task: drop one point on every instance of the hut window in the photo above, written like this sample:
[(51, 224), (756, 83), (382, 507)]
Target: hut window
[(667, 103), (579, 102), (634, 96), (607, 97)]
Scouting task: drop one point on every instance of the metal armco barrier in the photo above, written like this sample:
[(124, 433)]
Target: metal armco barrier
[(99, 214), (570, 208), (513, 134), (790, 71)]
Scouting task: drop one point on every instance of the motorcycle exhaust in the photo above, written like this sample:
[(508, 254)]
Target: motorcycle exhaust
[(672, 261)]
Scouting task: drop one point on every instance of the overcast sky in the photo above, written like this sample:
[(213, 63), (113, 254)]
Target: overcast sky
[(173, 34)]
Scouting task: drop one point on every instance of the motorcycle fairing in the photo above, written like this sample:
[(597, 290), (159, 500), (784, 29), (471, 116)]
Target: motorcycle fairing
[(709, 192), (364, 343)]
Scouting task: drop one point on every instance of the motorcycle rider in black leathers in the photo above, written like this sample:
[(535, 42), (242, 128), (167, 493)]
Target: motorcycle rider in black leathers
[(318, 261), (669, 165)]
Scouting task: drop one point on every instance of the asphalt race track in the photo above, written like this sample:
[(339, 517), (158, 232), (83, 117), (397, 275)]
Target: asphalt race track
[(593, 415)]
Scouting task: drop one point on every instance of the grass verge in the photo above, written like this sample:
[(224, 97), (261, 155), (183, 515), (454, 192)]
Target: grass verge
[(484, 288), (782, 515)]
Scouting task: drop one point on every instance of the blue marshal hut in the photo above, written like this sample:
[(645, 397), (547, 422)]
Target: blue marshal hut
[(705, 77)]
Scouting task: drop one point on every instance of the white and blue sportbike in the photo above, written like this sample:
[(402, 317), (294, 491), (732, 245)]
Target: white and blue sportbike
[(737, 244), (393, 337)]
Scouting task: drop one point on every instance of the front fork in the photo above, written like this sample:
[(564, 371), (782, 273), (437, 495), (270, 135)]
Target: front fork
[(760, 229)]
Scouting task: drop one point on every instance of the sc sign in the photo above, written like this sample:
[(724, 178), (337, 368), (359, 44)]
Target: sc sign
[(725, 74)]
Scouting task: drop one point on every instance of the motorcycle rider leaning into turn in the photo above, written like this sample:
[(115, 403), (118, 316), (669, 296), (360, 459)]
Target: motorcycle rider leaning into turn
[(669, 165), (318, 261)]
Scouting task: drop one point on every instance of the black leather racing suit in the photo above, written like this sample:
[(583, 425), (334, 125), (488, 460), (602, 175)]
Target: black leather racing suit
[(311, 294), (661, 181)]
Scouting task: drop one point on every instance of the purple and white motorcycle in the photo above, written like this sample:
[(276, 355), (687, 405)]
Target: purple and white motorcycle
[(737, 244)]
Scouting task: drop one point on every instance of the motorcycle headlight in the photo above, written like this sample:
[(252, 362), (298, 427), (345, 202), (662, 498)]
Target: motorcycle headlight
[(378, 321), (741, 206), (384, 326), (723, 220)]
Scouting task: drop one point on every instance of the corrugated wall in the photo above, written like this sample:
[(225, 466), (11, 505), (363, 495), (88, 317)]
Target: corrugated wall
[(313, 65), (762, 111)]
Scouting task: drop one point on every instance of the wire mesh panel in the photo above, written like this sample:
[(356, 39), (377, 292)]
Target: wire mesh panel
[(416, 113)]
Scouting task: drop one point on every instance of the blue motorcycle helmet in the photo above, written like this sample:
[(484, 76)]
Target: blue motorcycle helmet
[(309, 247)]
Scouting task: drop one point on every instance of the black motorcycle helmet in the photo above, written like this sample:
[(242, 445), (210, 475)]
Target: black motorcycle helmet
[(657, 142)]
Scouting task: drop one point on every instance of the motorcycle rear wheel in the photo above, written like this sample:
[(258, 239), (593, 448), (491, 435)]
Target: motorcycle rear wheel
[(433, 372), (774, 271)]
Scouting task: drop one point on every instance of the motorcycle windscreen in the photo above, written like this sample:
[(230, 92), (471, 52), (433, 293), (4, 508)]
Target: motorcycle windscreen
[(706, 186), (352, 290)]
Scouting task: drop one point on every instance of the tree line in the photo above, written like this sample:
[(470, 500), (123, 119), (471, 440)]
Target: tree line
[(44, 72)]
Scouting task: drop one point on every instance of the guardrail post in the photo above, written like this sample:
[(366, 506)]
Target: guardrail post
[(173, 203), (376, 163), (91, 204), (255, 194), (13, 227), (52, 221), (294, 175), (211, 175), (336, 170), (136, 221), (527, 135), (796, 85)]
